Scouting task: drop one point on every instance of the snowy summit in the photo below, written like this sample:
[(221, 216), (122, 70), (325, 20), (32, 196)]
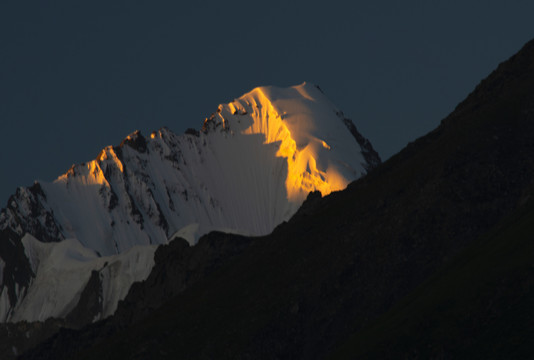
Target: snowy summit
[(247, 170)]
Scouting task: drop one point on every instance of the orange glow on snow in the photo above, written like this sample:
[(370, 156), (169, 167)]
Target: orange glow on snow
[(303, 174), (109, 154), (93, 174), (92, 170)]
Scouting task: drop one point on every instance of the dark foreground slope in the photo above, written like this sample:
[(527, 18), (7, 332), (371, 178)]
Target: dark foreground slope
[(431, 253), (478, 306)]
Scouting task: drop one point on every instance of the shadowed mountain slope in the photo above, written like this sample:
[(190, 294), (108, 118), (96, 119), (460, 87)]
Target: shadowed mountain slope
[(479, 306), (385, 260)]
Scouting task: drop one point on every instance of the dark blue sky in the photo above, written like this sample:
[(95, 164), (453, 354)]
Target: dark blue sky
[(75, 78)]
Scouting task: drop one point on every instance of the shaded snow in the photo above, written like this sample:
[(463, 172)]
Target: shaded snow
[(63, 270)]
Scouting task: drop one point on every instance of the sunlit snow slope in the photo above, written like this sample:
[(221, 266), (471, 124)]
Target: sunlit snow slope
[(248, 169)]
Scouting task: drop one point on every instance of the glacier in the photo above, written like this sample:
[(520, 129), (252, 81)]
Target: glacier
[(247, 170)]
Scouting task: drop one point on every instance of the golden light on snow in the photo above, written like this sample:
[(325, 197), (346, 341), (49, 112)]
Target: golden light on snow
[(92, 170), (109, 154), (303, 175)]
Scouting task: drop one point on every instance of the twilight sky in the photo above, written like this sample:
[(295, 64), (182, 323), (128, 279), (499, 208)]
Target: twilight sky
[(75, 77)]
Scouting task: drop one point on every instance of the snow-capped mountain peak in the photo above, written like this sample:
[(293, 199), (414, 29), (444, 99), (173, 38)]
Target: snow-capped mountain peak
[(249, 168)]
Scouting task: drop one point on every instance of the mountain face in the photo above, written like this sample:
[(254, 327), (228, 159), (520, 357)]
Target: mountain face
[(428, 256), (97, 226)]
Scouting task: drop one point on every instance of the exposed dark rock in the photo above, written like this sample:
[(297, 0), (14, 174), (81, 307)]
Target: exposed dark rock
[(28, 215), (24, 214), (177, 267), (17, 272), (90, 304), (37, 190), (162, 221), (319, 88), (371, 157), (17, 338), (210, 124), (113, 199), (193, 132), (136, 141)]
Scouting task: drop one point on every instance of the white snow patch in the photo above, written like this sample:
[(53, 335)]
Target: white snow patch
[(63, 270), (189, 233)]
